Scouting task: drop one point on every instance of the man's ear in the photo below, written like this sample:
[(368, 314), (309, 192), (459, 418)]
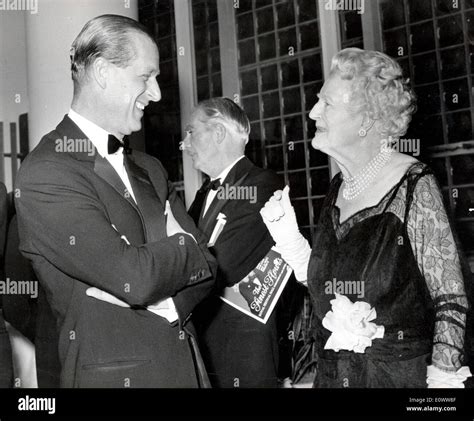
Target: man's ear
[(99, 71), (220, 132)]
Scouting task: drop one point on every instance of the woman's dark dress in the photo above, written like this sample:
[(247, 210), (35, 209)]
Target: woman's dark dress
[(373, 247)]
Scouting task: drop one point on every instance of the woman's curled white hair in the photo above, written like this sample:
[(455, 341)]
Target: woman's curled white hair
[(378, 89)]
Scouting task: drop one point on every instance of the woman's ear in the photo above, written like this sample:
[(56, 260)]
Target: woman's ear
[(367, 123)]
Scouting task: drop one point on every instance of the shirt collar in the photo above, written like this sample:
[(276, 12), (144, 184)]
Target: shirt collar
[(97, 135), (226, 171)]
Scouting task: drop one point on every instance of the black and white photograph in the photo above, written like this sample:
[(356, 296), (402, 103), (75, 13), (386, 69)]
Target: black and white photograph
[(272, 199)]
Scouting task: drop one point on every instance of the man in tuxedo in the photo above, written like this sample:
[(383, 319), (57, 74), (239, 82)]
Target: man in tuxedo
[(91, 216), (238, 350)]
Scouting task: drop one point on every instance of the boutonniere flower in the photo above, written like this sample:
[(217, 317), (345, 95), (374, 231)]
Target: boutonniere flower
[(351, 325)]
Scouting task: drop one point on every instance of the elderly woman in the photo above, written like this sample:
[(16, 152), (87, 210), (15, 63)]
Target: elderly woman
[(384, 273)]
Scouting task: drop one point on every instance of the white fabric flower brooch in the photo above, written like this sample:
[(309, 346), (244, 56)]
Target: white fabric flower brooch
[(351, 325)]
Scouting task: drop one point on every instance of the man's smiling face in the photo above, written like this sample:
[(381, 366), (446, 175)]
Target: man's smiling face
[(131, 88)]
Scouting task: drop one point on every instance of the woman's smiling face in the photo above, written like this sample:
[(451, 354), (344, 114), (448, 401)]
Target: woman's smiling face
[(336, 123)]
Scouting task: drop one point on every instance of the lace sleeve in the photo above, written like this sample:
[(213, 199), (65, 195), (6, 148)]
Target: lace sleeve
[(435, 250)]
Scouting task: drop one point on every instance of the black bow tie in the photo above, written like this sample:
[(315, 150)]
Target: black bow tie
[(198, 203), (210, 185), (113, 145)]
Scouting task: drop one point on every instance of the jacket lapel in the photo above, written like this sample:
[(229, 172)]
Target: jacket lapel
[(151, 206), (235, 178), (102, 167)]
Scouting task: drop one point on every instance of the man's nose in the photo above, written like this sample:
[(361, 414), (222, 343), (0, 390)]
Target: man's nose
[(153, 90), (186, 143)]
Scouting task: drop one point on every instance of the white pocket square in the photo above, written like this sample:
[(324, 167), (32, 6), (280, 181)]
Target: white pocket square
[(221, 221)]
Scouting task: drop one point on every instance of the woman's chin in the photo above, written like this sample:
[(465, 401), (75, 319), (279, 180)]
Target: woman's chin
[(318, 143)]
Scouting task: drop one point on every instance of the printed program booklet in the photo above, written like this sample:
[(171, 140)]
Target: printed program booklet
[(257, 293)]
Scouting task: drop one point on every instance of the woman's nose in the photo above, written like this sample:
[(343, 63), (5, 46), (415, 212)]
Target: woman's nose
[(315, 111)]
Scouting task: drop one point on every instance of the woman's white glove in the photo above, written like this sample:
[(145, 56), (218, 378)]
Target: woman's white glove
[(279, 217), (437, 378)]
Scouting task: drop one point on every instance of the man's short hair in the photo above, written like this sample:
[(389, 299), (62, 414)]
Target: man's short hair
[(104, 36), (227, 110)]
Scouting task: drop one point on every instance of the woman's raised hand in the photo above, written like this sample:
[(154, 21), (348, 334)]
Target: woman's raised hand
[(279, 217)]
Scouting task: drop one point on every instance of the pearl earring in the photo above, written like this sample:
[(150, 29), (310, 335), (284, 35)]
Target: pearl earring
[(362, 132)]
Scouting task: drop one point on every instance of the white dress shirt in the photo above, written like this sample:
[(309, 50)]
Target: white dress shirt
[(221, 177), (99, 138)]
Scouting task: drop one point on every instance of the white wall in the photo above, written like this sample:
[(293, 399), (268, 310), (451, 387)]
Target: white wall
[(49, 35), (34, 63)]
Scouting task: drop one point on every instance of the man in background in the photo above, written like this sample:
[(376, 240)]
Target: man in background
[(238, 350), (91, 217)]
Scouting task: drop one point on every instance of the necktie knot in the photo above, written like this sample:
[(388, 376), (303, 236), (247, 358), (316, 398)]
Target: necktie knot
[(113, 144), (199, 200), (210, 185)]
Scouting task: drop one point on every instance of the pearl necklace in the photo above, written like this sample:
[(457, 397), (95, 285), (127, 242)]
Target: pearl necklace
[(358, 183)]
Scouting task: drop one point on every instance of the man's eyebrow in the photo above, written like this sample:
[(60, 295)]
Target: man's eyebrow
[(188, 127)]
